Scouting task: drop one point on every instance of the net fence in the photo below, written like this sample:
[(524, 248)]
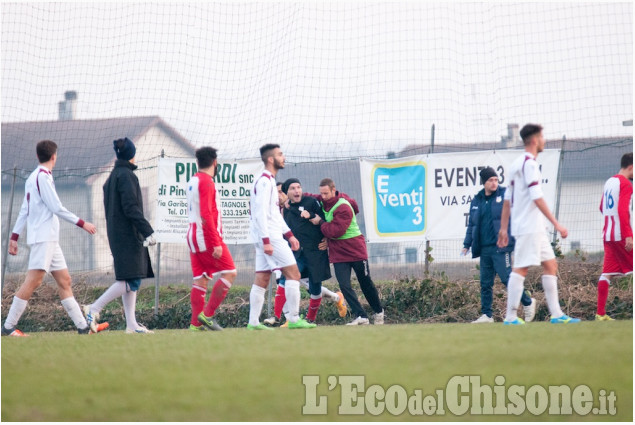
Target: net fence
[(330, 82)]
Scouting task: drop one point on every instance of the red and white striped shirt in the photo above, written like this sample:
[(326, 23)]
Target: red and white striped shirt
[(203, 214), (615, 207)]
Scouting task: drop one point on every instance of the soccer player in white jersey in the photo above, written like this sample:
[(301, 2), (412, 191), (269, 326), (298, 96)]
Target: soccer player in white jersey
[(268, 232), (39, 213), (528, 208), (617, 233)]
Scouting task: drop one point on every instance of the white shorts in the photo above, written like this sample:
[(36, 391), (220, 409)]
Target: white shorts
[(47, 256), (282, 256), (532, 249)]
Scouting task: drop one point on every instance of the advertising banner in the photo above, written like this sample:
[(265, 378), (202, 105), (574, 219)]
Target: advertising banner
[(234, 181), (427, 197)]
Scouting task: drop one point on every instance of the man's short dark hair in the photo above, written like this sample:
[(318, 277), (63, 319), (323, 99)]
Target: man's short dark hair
[(627, 160), (529, 130), (45, 150), (267, 150), (327, 182), (205, 156)]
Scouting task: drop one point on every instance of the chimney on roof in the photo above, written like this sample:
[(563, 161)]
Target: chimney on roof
[(68, 108), (512, 139)]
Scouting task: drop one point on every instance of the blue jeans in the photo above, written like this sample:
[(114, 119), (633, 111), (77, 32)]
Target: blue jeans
[(493, 262), (133, 284)]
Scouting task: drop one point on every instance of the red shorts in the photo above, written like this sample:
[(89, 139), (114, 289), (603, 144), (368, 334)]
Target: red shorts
[(204, 264), (617, 260)]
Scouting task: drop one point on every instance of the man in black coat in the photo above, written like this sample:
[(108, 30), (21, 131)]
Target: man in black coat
[(129, 235), (313, 262)]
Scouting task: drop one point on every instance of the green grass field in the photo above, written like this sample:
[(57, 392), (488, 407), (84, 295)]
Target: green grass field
[(240, 375)]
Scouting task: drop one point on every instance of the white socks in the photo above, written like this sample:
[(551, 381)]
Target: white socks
[(292, 293), (115, 291), (15, 312), (330, 294), (515, 287), (325, 292), (550, 285), (129, 299), (256, 300), (129, 305), (75, 313), (305, 283)]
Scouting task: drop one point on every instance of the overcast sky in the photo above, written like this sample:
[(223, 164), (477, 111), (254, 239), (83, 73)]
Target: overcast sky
[(326, 79)]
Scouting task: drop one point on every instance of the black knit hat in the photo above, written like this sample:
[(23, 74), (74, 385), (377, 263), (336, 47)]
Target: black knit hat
[(289, 182), (124, 148), (487, 173)]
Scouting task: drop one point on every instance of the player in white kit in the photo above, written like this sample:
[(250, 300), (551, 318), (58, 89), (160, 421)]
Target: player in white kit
[(268, 232), (40, 210), (528, 209)]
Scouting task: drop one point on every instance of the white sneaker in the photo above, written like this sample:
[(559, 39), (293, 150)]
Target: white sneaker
[(530, 310), (484, 319), (378, 318), (91, 318), (359, 321), (140, 330), (271, 321)]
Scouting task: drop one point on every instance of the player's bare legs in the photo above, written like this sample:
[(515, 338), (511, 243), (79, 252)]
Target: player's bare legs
[(32, 281), (63, 279), (65, 291)]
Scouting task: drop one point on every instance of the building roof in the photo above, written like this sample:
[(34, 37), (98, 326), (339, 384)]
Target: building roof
[(584, 158), (83, 144)]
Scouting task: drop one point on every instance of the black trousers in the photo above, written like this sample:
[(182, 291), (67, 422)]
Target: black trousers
[(343, 275)]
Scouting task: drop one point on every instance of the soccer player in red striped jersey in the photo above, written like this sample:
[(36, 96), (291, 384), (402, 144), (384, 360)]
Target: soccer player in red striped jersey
[(617, 233), (208, 253)]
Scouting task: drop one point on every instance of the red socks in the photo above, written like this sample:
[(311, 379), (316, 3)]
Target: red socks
[(279, 301), (197, 299), (219, 292), (603, 294), (314, 306)]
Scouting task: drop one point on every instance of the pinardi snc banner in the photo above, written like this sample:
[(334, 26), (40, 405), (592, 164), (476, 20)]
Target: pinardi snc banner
[(234, 181), (427, 197)]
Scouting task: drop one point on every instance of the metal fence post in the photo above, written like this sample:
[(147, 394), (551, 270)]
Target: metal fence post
[(269, 294), (559, 186), (427, 252), (157, 280), (5, 249)]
